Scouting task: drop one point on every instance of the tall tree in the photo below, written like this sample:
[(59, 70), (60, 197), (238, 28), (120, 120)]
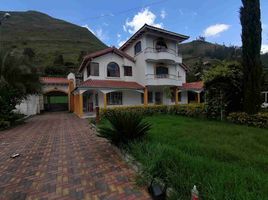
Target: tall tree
[(250, 17), (18, 78)]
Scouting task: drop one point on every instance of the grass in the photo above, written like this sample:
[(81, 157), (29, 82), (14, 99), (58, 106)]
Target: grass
[(225, 161)]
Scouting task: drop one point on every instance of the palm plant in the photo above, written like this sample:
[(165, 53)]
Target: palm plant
[(124, 127)]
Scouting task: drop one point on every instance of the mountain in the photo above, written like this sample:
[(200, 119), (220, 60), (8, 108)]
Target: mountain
[(47, 37), (200, 55)]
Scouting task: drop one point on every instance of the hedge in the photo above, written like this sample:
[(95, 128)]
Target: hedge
[(191, 110), (258, 120)]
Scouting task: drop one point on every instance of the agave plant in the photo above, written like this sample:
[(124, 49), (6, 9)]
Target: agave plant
[(123, 127)]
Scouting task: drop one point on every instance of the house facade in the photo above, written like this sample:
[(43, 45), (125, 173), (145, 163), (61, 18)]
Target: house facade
[(146, 70)]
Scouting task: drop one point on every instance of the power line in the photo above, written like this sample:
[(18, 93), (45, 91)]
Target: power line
[(123, 11)]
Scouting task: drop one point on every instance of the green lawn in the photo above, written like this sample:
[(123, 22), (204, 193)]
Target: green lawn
[(225, 161)]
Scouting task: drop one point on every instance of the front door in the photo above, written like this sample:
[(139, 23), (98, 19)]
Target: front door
[(88, 105)]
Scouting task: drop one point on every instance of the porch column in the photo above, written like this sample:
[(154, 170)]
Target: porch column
[(198, 97), (104, 100), (80, 98), (176, 96), (145, 96), (71, 96)]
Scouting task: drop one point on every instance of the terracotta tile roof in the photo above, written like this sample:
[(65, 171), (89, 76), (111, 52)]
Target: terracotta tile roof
[(193, 86), (111, 84), (54, 80), (96, 54)]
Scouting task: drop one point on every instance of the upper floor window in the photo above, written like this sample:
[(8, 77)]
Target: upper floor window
[(113, 70), (137, 48), (161, 71), (93, 69), (161, 45), (127, 70)]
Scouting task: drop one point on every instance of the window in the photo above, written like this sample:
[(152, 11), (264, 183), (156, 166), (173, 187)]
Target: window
[(93, 69), (114, 98), (113, 70), (161, 45), (137, 48), (150, 97), (127, 70), (161, 72)]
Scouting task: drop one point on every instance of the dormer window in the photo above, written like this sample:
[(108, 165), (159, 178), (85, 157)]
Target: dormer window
[(137, 48), (161, 45), (113, 70)]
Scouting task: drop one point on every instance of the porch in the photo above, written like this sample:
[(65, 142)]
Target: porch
[(104, 93)]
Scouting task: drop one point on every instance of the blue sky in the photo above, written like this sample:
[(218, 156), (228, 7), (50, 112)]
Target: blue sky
[(115, 21)]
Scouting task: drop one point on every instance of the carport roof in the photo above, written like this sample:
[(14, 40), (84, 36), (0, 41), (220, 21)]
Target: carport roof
[(54, 80), (199, 85)]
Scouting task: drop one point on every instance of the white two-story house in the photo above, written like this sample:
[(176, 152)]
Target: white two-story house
[(146, 69)]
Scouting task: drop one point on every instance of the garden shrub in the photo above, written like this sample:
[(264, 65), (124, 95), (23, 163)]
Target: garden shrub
[(258, 120), (4, 124), (191, 110), (123, 127)]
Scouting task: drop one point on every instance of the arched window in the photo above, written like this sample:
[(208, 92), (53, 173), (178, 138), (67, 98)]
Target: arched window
[(137, 47), (161, 71), (113, 70), (161, 45)]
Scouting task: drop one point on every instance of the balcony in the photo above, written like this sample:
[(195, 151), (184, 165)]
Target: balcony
[(163, 55), (163, 79)]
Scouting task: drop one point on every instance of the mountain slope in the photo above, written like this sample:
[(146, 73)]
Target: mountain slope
[(201, 55), (47, 36)]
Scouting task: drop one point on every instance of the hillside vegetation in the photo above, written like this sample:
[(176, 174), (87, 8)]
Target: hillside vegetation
[(201, 55), (47, 37)]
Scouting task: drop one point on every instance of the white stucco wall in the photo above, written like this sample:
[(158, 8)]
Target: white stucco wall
[(130, 98), (105, 60), (29, 106)]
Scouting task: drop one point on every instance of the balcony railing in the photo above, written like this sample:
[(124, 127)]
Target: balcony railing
[(162, 76), (158, 50), (164, 79)]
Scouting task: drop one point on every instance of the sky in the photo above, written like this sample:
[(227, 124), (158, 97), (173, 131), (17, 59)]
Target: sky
[(114, 21)]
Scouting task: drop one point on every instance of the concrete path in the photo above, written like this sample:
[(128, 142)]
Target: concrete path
[(62, 159)]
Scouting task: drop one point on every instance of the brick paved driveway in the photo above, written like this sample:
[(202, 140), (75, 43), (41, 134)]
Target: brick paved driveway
[(62, 159)]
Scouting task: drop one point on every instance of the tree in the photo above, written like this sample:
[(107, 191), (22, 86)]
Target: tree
[(251, 46), (18, 78), (58, 60), (223, 86)]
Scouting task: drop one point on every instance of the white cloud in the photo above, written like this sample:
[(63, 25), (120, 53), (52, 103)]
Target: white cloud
[(120, 43), (87, 27), (145, 16), (264, 48), (163, 14), (264, 26), (118, 35), (215, 30), (181, 12), (101, 35)]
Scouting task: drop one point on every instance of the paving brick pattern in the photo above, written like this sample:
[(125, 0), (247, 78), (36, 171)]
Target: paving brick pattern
[(62, 159)]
